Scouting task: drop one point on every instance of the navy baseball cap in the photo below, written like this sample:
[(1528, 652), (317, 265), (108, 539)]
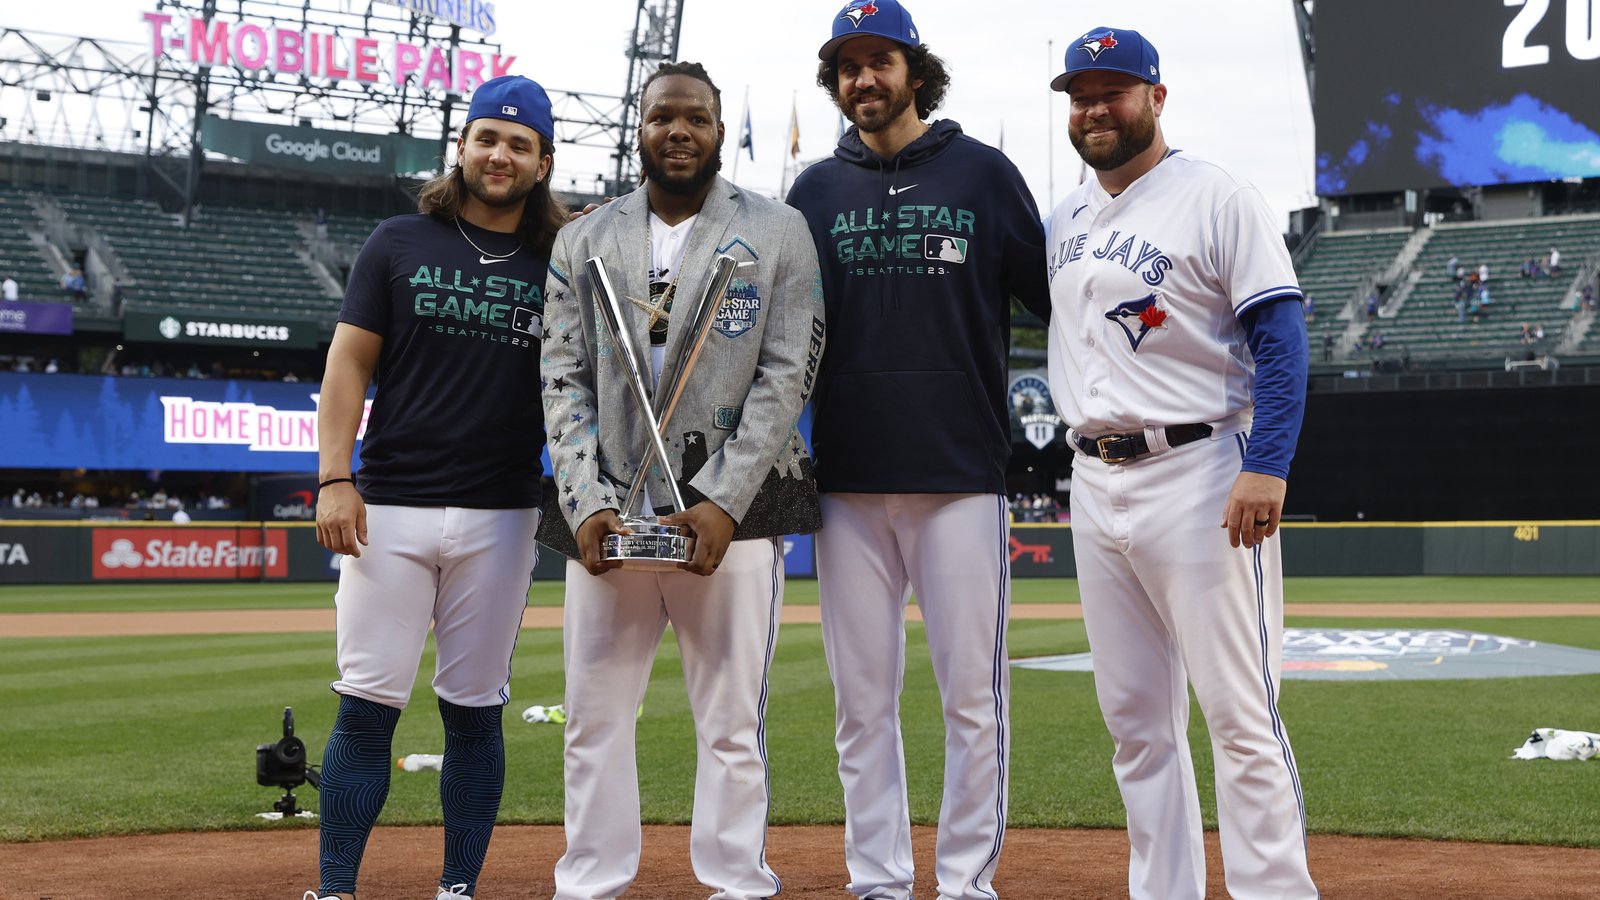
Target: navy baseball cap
[(1110, 50), (882, 18), (515, 99)]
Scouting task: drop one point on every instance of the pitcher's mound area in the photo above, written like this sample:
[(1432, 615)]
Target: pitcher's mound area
[(403, 864)]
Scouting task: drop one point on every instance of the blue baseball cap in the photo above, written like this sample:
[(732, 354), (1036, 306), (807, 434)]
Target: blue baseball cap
[(881, 18), (1110, 50), (514, 98)]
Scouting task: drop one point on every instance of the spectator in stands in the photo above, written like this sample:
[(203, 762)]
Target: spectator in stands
[(72, 283), (1327, 348), (52, 367), (1484, 299), (322, 224), (1311, 308), (1538, 332), (1453, 268), (291, 378), (1377, 340), (8, 288), (1530, 268), (194, 371), (1372, 305), (1586, 304), (1527, 333), (1555, 262), (1483, 273), (180, 517)]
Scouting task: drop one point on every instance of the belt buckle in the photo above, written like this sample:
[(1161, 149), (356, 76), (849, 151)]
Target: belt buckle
[(1101, 443)]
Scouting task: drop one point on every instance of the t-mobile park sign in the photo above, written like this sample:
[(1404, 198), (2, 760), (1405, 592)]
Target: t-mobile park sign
[(320, 54)]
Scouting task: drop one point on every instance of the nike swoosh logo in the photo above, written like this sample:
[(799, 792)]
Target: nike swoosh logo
[(484, 260), (895, 190)]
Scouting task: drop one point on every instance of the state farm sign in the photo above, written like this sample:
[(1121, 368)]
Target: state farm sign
[(122, 554)]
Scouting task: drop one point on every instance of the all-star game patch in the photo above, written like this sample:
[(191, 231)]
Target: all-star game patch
[(740, 309), (1406, 654)]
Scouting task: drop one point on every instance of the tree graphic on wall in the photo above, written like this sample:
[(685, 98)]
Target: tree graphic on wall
[(117, 428), (19, 417)]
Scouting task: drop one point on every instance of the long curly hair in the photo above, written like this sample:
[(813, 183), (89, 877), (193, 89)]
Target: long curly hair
[(543, 214)]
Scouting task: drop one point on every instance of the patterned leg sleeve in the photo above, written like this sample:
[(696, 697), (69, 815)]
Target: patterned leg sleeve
[(469, 788), (355, 782)]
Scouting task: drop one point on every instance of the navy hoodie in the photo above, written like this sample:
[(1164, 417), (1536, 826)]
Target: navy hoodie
[(920, 256)]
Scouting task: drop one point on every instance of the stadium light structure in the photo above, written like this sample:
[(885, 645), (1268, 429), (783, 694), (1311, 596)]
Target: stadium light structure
[(1308, 42)]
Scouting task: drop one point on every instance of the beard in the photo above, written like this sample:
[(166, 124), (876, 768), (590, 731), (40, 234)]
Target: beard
[(477, 183), (898, 101), (1133, 138), (683, 185)]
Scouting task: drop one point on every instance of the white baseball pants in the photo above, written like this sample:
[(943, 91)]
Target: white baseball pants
[(1166, 603), (726, 626), (466, 570), (873, 552)]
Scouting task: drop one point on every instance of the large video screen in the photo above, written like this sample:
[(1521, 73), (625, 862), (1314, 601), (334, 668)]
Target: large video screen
[(1424, 93)]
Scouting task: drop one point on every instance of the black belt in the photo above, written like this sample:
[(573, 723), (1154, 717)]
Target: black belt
[(1116, 448)]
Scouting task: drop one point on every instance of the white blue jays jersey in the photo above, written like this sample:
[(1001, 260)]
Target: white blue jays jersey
[(1146, 290)]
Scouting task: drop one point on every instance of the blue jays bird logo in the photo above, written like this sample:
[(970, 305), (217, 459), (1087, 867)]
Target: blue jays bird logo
[(1095, 44), (858, 12), (1145, 311)]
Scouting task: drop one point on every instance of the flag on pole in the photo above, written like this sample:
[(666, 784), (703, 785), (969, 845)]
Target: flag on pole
[(747, 138), (794, 131)]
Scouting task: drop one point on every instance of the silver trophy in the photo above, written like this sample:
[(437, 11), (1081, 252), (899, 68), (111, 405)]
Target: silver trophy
[(653, 545)]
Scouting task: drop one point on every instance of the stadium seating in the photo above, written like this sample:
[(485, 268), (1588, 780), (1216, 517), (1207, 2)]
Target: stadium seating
[(231, 259), (1427, 325), (1334, 271), (19, 257)]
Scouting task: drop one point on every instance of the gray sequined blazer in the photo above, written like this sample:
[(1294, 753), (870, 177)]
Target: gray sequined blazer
[(733, 438)]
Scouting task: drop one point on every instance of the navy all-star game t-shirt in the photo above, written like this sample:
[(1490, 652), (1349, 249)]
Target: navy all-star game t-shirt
[(457, 419)]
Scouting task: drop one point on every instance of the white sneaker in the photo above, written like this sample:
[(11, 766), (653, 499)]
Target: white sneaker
[(313, 895), (456, 892)]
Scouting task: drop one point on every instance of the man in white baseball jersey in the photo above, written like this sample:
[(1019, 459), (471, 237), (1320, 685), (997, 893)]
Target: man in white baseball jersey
[(438, 523), (739, 462), (1178, 358), (924, 235)]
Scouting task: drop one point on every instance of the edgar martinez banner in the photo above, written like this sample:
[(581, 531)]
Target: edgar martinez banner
[(193, 328), (22, 317), (318, 150)]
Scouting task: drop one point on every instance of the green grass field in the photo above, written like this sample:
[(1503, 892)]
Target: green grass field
[(1423, 589), (121, 735)]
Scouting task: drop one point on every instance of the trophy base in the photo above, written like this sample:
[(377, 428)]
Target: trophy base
[(651, 547)]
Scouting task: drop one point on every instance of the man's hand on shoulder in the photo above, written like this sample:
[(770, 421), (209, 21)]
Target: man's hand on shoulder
[(575, 215)]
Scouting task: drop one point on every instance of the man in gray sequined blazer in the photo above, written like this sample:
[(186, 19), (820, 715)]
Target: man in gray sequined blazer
[(740, 463)]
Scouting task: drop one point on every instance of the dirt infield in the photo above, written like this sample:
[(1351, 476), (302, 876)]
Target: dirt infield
[(280, 863), (402, 863), (250, 621)]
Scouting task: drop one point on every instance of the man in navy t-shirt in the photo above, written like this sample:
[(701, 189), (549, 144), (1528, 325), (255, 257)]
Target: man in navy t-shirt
[(446, 308)]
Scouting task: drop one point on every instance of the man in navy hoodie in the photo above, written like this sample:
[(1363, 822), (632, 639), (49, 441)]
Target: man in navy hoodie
[(924, 236)]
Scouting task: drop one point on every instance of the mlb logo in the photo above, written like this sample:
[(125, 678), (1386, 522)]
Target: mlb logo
[(527, 321), (945, 248), (508, 110)]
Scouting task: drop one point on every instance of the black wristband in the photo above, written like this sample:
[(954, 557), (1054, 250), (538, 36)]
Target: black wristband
[(335, 481)]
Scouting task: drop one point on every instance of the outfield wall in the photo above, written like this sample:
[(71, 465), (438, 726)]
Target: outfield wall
[(95, 552)]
